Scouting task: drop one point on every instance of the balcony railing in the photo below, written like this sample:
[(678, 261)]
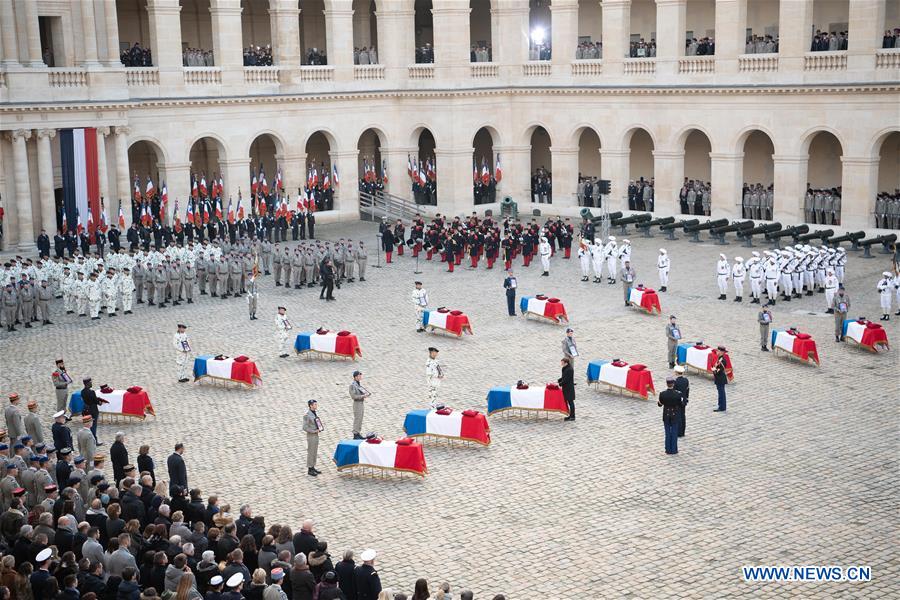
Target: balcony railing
[(640, 66), (757, 63), (67, 77), (368, 72), (421, 71), (825, 61), (697, 64), (261, 75), (537, 68), (202, 76), (316, 73), (141, 76), (888, 59), (482, 70), (588, 67)]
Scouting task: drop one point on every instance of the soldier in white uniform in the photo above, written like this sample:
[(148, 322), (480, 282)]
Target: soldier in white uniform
[(831, 286), (771, 275), (624, 253), (110, 290), (252, 294), (738, 271), (597, 260), (126, 290), (755, 270), (722, 272), (544, 250), (584, 258), (434, 375), (81, 296), (885, 287), (282, 327), (420, 300), (609, 253), (182, 352), (662, 268), (94, 296), (68, 290)]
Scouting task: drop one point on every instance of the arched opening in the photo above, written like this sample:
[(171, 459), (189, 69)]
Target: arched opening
[(370, 163), (762, 27), (196, 34), (484, 185), (887, 202), (590, 30), (541, 167), (700, 28), (695, 194), (822, 203), (365, 33), (424, 32), (831, 20), (312, 33), (480, 31), (643, 29), (424, 173), (539, 30), (640, 171), (318, 161), (134, 33), (588, 168), (263, 164), (891, 26), (257, 33), (758, 193), (145, 159)]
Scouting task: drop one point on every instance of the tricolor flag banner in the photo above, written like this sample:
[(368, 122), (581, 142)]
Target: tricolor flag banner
[(164, 204), (121, 216), (474, 172), (90, 223), (189, 214), (261, 206), (498, 173), (240, 208), (80, 175), (254, 185), (301, 202), (326, 182), (384, 177), (137, 188), (203, 189), (150, 190), (219, 208), (279, 181), (335, 180), (230, 213), (263, 183), (78, 226), (485, 174), (409, 167), (205, 212), (104, 218), (65, 222), (221, 189), (195, 192)]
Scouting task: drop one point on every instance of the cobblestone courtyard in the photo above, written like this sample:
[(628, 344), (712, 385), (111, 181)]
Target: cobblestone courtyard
[(802, 469)]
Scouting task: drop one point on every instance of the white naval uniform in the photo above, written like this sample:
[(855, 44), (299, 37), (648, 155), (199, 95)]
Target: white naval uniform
[(662, 268), (434, 374), (110, 289), (420, 299), (282, 326), (722, 271), (597, 260), (126, 289), (831, 286), (182, 353), (94, 295), (609, 252), (885, 288), (772, 279), (756, 272), (544, 251), (737, 276)]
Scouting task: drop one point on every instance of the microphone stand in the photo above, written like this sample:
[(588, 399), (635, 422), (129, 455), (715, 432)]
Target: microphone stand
[(417, 271), (378, 247)]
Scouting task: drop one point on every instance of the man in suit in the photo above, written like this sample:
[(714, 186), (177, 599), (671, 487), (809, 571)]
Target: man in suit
[(567, 383), (177, 469), (510, 284), (671, 401)]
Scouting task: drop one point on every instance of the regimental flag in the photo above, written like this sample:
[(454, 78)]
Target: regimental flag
[(335, 180), (315, 176), (230, 212), (65, 222), (310, 201), (121, 216), (146, 219), (221, 186), (150, 190), (384, 177), (301, 201), (254, 184), (421, 174), (474, 172), (137, 188), (431, 170), (205, 212), (164, 204), (104, 218), (261, 206), (189, 214), (485, 174), (195, 191), (263, 184), (326, 182), (90, 223), (78, 227), (279, 181), (498, 173), (240, 208), (203, 189), (286, 209), (410, 167), (176, 216), (80, 172), (219, 208)]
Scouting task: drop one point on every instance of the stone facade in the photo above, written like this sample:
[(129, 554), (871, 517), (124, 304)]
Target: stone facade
[(693, 114)]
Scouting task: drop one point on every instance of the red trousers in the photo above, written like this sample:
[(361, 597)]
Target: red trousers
[(508, 264), (450, 266), (400, 250), (389, 255), (568, 253), (474, 260), (428, 254)]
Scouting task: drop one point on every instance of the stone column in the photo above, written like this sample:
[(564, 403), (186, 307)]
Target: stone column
[(668, 173), (451, 39), (112, 36), (33, 35), (228, 40), (454, 183), (178, 179), (399, 183), (164, 17), (286, 35), (89, 33), (670, 23), (123, 184), (339, 38), (859, 182), (731, 23), (794, 34), (790, 187), (293, 169), (565, 175), (102, 173), (45, 180), (346, 195), (614, 166), (616, 34), (236, 173), (727, 170), (511, 36), (865, 33), (564, 36), (24, 222), (396, 37), (516, 183), (9, 33)]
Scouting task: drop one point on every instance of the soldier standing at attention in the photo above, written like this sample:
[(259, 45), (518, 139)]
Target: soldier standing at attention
[(182, 352), (673, 336), (684, 386), (841, 306), (282, 326), (670, 399), (252, 294), (434, 374), (312, 425), (628, 277), (358, 394), (420, 300), (61, 381), (33, 423), (15, 426), (510, 284), (765, 320)]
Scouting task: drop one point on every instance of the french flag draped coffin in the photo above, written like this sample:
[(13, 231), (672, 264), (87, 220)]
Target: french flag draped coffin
[(549, 398), (542, 306), (453, 321), (80, 174), (133, 402), (644, 298), (469, 425), (633, 378), (702, 358), (865, 333), (240, 369), (342, 343), (799, 344), (403, 455)]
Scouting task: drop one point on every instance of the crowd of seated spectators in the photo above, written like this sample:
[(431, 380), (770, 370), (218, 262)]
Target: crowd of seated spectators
[(136, 56), (256, 56)]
